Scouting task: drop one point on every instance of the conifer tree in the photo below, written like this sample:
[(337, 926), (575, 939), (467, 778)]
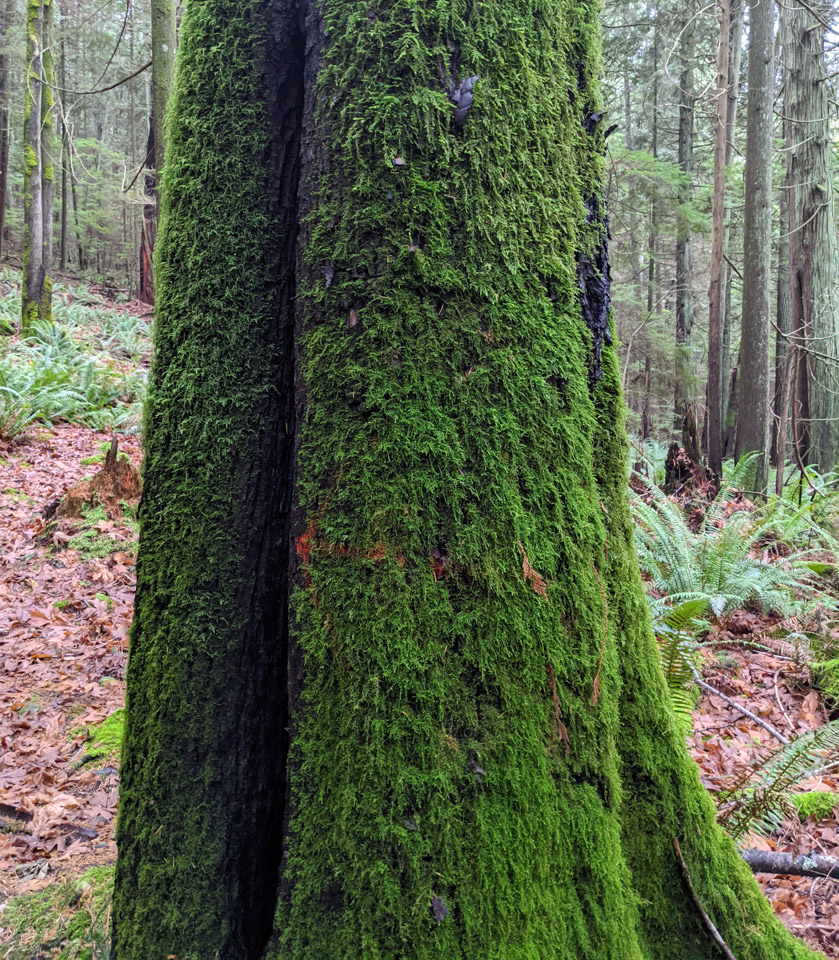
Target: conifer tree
[(38, 190), (393, 690)]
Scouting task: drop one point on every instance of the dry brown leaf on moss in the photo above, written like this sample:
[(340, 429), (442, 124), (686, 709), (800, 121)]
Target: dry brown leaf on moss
[(531, 576)]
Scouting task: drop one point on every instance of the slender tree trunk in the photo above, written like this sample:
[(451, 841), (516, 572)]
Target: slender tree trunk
[(6, 14), (65, 150), (715, 292), (684, 244), (48, 159), (133, 276), (753, 410), (627, 111), (164, 39), (38, 168), (735, 57), (783, 328), (456, 741), (652, 241), (80, 247), (813, 243)]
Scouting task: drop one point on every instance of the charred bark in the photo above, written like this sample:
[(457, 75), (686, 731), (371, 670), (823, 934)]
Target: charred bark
[(203, 779)]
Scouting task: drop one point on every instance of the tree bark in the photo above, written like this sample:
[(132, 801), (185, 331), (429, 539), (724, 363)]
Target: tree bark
[(199, 859), (753, 406), (684, 243), (385, 375), (791, 864), (735, 57), (65, 151), (164, 40), (6, 14), (783, 327), (813, 243), (715, 291), (38, 170)]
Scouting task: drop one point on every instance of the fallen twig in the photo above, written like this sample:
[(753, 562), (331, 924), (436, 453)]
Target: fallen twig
[(733, 703), (794, 865), (709, 923), (778, 701)]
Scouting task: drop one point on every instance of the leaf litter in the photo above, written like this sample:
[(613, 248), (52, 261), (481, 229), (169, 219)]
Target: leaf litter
[(64, 620)]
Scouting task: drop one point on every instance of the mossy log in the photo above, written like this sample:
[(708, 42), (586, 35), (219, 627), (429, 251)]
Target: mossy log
[(393, 691)]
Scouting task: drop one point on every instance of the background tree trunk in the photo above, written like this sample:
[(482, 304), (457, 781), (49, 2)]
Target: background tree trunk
[(164, 40), (684, 244), (753, 406), (715, 292), (38, 169), (735, 57), (6, 15), (813, 244)]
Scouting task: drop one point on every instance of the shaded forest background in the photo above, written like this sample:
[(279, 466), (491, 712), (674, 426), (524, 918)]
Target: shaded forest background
[(663, 94)]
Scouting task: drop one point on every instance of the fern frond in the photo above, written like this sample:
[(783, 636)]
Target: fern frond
[(757, 803)]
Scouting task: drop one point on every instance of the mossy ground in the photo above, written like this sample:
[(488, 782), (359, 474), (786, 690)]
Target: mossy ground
[(104, 738), (93, 543), (820, 804), (66, 921), (826, 677)]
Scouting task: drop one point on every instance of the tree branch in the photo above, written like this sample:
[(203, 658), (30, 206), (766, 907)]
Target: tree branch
[(733, 703), (709, 923), (113, 86), (802, 865)]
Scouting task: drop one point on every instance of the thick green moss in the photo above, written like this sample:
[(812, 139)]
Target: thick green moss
[(826, 677), (820, 804), (68, 919), (202, 791), (486, 765)]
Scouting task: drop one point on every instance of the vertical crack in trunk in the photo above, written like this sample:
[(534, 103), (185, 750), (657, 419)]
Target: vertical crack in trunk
[(594, 279), (270, 490)]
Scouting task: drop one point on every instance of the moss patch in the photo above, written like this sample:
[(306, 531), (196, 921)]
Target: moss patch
[(819, 804), (106, 737), (68, 920), (826, 677)]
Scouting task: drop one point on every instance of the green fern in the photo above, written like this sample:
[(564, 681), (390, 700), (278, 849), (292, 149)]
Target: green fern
[(722, 563), (675, 628), (759, 802)]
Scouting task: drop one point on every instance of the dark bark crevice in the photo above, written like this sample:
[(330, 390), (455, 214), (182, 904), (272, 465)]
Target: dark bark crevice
[(256, 851), (594, 278)]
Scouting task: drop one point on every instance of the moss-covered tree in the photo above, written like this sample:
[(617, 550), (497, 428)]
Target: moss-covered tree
[(164, 38), (393, 691), (38, 189)]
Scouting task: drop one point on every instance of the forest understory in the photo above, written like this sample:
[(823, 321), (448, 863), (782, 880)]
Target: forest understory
[(66, 592)]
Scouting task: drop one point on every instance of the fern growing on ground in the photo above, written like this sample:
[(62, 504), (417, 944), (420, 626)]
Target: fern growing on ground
[(760, 801), (724, 563)]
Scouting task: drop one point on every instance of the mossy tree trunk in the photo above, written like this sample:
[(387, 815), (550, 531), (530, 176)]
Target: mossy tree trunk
[(36, 300), (164, 30), (386, 397)]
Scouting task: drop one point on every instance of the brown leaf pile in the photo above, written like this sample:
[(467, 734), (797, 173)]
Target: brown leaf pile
[(63, 639), (726, 745)]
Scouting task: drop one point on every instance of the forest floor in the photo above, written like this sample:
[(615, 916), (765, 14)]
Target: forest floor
[(66, 592)]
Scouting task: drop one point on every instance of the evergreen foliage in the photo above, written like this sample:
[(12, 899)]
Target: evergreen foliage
[(723, 562)]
